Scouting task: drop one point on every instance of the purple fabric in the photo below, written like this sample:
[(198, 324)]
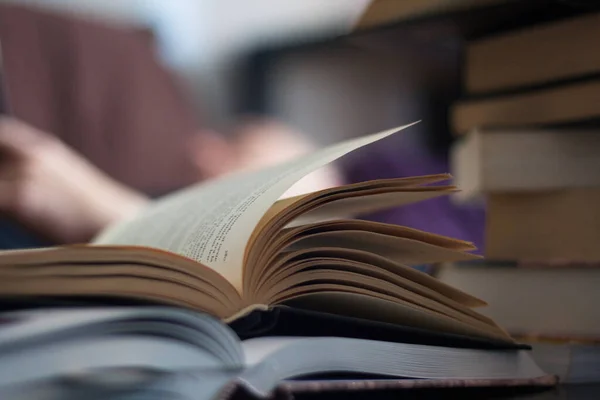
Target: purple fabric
[(402, 156)]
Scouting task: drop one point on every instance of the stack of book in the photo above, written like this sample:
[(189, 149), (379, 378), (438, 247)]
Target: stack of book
[(224, 286), (529, 146)]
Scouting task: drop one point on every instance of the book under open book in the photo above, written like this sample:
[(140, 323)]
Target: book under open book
[(232, 246), (170, 353)]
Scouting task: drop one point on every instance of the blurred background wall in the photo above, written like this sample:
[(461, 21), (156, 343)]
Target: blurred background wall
[(205, 41)]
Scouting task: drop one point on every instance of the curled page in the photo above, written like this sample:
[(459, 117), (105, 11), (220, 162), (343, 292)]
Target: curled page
[(212, 222)]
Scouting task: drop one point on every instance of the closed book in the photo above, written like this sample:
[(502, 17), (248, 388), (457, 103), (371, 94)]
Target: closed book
[(575, 103), (382, 12), (156, 352), (533, 300), (533, 56), (561, 225), (524, 160)]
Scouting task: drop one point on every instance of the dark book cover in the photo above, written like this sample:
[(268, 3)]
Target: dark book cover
[(403, 388)]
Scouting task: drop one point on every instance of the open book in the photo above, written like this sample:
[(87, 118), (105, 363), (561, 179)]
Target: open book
[(232, 246), (163, 352)]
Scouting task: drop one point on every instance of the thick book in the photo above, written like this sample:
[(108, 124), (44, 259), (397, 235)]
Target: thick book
[(568, 104), (385, 12), (533, 56), (524, 160), (467, 18), (163, 350), (552, 300), (545, 226), (231, 247)]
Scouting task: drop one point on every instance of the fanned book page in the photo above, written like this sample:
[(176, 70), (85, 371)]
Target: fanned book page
[(212, 223), (231, 247)]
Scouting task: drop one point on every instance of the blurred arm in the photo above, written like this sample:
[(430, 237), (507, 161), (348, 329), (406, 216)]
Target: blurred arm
[(52, 190)]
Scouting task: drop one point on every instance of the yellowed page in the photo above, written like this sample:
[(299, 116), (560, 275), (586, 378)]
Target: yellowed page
[(371, 265), (362, 305), (358, 190), (212, 222), (20, 261), (351, 277), (100, 270), (128, 287), (348, 207), (398, 249)]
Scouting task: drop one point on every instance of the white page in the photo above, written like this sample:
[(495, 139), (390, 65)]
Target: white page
[(80, 356), (212, 223), (270, 360)]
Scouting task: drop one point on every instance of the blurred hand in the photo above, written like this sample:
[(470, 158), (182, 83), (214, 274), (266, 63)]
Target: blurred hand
[(262, 143), (257, 144), (51, 189)]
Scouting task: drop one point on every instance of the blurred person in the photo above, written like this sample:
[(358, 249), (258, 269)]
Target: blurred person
[(103, 91), (258, 142), (49, 188), (99, 90), (53, 191), (99, 122)]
